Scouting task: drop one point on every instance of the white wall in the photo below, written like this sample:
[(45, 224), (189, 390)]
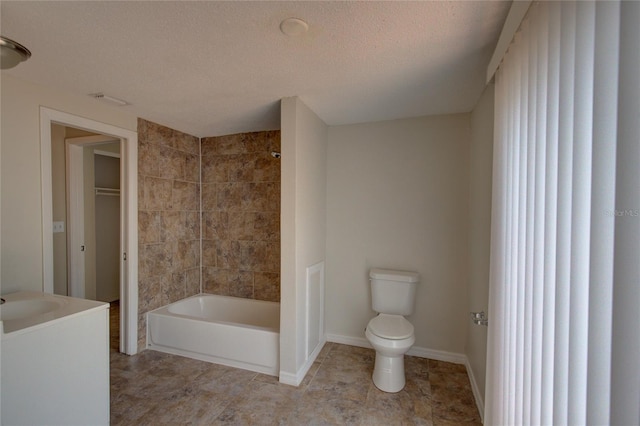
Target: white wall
[(397, 197), (303, 221), (481, 163), (21, 251)]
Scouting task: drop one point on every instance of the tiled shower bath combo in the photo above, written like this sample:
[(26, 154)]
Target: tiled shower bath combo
[(209, 217)]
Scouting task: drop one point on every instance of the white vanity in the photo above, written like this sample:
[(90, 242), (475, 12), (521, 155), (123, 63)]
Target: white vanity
[(54, 356)]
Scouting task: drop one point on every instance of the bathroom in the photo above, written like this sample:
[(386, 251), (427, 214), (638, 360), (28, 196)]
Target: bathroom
[(437, 168), (358, 234)]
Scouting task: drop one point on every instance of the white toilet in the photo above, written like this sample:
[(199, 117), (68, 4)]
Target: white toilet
[(390, 334)]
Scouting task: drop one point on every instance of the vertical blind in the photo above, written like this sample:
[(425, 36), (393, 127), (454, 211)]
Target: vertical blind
[(564, 341)]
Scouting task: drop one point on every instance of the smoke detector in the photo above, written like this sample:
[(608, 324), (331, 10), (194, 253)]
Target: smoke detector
[(294, 27)]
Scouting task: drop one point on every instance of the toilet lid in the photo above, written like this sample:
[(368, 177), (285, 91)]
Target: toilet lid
[(393, 327)]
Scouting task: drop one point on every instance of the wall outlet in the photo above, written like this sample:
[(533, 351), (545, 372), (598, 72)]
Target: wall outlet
[(58, 227)]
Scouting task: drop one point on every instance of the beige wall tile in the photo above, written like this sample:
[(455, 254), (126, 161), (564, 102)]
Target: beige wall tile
[(173, 225), (209, 197), (267, 286), (192, 277), (209, 257), (214, 281), (241, 284), (149, 294), (185, 196), (149, 227), (228, 254), (192, 168), (157, 193)]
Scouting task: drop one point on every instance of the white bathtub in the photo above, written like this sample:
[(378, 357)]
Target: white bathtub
[(237, 332)]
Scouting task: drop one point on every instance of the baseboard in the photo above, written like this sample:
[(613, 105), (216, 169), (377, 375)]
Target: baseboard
[(452, 357), (347, 340), (297, 378), (477, 395), (420, 352)]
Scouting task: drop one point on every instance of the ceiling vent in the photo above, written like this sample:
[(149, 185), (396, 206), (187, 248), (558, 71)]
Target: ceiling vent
[(109, 99)]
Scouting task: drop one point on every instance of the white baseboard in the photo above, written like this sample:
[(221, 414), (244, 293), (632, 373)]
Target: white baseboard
[(347, 340), (452, 357), (420, 352), (475, 389), (297, 378)]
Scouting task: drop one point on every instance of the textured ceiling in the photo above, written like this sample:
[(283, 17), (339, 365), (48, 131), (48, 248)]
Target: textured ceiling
[(212, 68)]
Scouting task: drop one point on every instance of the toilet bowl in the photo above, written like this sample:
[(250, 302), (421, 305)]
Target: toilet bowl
[(391, 337), (390, 333)]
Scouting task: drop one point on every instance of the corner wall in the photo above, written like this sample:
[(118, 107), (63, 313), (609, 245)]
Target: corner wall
[(480, 174), (303, 231)]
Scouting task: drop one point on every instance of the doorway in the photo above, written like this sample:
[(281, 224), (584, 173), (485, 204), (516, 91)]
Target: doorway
[(128, 250), (86, 215), (93, 215)]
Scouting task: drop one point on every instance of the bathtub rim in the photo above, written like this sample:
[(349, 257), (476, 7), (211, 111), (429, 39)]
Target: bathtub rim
[(164, 310)]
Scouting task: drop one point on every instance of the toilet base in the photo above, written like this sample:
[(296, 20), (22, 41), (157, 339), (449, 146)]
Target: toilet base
[(388, 373)]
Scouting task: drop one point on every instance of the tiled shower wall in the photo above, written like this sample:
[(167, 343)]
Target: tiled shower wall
[(168, 218), (241, 215)]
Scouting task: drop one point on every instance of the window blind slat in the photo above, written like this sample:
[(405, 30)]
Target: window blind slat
[(551, 200), (625, 374), (602, 211), (539, 250), (563, 248)]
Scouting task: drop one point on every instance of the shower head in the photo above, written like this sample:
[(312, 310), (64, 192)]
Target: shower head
[(275, 154)]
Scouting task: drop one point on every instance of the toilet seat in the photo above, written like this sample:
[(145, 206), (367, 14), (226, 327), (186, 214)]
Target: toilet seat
[(393, 327)]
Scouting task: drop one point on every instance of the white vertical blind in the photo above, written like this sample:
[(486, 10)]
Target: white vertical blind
[(603, 201), (564, 342), (625, 384)]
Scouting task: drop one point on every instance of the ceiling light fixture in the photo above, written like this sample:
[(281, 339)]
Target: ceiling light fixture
[(109, 99), (294, 27), (12, 53)]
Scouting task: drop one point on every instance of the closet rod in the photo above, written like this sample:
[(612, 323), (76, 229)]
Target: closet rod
[(114, 192)]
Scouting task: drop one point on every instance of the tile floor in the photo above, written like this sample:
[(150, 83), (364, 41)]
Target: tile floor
[(154, 388)]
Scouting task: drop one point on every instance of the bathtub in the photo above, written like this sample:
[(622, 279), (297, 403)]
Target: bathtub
[(242, 333)]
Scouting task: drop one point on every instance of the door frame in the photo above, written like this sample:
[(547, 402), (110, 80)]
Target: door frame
[(129, 213)]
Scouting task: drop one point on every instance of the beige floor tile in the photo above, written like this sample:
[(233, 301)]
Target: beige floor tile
[(160, 389), (261, 403), (403, 407), (312, 410)]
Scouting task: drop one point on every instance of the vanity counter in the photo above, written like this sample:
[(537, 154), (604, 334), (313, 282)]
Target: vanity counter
[(55, 360)]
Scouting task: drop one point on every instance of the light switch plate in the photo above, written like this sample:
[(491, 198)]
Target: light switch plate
[(58, 227)]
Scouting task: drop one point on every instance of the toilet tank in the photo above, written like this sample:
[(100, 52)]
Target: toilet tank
[(393, 292)]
